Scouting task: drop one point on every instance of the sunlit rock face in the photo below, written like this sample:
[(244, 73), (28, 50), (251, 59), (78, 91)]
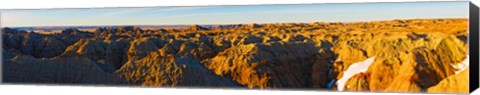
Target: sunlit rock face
[(274, 65), (417, 55)]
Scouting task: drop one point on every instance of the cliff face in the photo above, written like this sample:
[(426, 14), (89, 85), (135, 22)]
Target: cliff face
[(269, 65), (419, 55), (447, 85), (415, 69), (27, 69), (168, 70)]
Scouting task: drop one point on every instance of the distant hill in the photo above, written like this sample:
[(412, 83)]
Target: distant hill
[(49, 28)]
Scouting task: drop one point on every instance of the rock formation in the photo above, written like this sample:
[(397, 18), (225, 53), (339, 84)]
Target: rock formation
[(415, 55)]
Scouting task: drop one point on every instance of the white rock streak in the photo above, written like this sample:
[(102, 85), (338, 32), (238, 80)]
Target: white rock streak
[(354, 69), (461, 66)]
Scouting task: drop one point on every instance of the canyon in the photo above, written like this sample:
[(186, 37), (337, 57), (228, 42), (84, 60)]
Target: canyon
[(409, 55)]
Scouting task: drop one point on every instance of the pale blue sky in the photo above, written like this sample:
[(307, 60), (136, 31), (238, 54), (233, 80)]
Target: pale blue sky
[(234, 14)]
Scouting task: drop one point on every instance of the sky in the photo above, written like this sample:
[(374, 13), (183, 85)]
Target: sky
[(233, 14)]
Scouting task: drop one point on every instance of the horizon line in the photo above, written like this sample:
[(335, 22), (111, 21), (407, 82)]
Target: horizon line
[(360, 21)]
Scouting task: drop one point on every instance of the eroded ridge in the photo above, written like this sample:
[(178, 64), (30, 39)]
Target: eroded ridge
[(413, 55)]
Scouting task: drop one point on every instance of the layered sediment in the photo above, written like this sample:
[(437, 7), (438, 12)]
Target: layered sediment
[(416, 55)]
